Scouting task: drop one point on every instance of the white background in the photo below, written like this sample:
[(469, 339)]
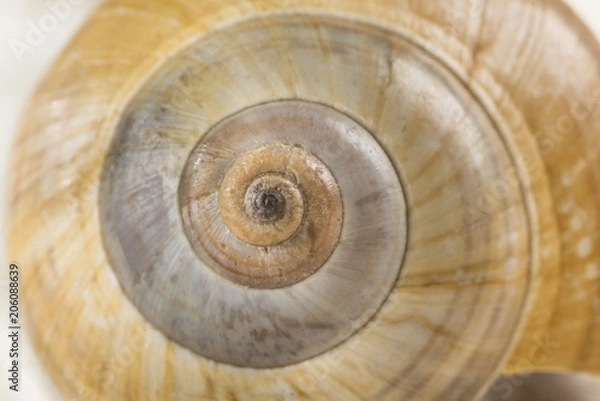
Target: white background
[(18, 79)]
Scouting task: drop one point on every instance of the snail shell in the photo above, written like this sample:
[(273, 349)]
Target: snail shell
[(312, 200)]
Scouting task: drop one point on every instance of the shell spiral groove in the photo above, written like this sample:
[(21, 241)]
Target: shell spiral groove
[(315, 200)]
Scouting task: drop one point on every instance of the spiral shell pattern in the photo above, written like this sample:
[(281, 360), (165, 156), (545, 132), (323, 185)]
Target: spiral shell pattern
[(264, 201)]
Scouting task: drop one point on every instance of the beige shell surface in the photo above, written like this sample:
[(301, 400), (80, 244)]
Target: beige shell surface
[(454, 148)]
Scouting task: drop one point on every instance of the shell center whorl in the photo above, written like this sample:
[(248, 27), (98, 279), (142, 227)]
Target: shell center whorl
[(263, 209), (268, 216), (265, 206)]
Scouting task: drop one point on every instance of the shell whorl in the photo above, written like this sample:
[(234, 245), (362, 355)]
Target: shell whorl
[(313, 200), (219, 280)]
